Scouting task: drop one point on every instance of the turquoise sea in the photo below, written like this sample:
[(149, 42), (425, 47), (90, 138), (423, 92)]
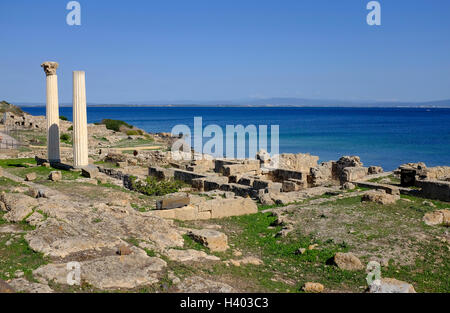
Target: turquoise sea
[(380, 136)]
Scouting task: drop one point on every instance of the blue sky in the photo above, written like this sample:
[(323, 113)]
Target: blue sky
[(144, 50)]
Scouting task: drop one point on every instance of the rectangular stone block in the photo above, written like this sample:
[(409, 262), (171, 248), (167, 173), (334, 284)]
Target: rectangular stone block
[(350, 174), (232, 207), (434, 189), (188, 213), (172, 203)]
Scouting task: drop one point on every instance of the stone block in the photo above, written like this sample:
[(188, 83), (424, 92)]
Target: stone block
[(172, 202), (55, 176), (212, 239), (351, 174), (90, 171)]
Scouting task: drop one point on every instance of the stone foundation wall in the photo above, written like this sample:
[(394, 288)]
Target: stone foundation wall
[(434, 189)]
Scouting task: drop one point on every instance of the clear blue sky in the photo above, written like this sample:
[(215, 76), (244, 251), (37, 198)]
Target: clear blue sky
[(141, 50)]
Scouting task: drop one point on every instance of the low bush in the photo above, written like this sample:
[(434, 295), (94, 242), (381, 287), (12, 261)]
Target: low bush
[(153, 187), (115, 124)]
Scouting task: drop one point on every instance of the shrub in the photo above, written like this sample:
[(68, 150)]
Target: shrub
[(65, 137), (115, 124), (135, 132), (63, 118), (70, 128), (153, 187)]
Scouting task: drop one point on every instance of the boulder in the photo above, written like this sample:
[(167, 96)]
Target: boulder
[(439, 217), (30, 176), (391, 285), (313, 287), (347, 261), (55, 176), (379, 196), (212, 239)]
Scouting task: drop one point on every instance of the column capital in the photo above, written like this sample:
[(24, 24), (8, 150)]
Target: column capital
[(50, 68)]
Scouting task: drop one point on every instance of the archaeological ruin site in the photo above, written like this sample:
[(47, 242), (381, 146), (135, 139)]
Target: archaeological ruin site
[(114, 204)]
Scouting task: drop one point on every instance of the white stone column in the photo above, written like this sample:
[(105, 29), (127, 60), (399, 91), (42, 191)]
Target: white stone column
[(53, 149), (80, 135)]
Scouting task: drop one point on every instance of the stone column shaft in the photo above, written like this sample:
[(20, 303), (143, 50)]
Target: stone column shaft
[(80, 135), (52, 112)]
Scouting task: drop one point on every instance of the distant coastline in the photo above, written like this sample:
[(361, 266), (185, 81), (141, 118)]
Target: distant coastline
[(266, 103)]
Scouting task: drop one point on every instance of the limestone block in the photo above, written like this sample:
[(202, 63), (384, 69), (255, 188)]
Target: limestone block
[(55, 176), (212, 239), (172, 202)]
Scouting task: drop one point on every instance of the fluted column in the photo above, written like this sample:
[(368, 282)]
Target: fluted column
[(52, 112), (80, 135)]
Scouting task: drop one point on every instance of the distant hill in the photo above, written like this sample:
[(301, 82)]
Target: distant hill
[(271, 102), (8, 107)]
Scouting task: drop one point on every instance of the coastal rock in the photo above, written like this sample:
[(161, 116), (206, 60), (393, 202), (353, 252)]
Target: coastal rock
[(212, 239), (347, 261)]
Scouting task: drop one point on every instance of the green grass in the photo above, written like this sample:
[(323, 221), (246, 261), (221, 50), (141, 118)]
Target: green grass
[(115, 124), (255, 236), (125, 143), (106, 164), (17, 256), (20, 168)]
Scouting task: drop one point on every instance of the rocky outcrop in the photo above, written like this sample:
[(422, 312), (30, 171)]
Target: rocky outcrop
[(23, 285), (18, 206), (110, 272), (198, 284)]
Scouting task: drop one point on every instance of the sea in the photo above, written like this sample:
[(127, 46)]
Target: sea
[(387, 137)]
